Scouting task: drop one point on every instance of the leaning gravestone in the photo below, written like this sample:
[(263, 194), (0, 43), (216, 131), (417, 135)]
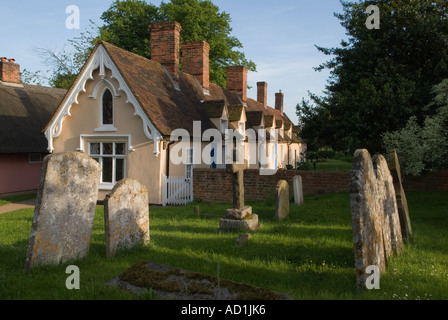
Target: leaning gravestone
[(393, 240), (282, 200), (65, 209), (367, 217), (298, 190), (126, 216), (402, 203)]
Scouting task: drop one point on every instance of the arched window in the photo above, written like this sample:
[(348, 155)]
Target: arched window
[(108, 108)]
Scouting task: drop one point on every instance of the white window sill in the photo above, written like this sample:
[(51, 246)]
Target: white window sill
[(106, 128), (106, 186)]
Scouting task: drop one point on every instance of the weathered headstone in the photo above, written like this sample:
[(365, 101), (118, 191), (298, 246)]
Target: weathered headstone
[(65, 209), (240, 216), (298, 190), (367, 218), (282, 200), (403, 211), (393, 241), (375, 221), (126, 216)]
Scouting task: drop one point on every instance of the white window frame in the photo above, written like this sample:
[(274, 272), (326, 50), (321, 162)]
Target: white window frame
[(107, 127), (224, 125), (114, 156), (189, 163)]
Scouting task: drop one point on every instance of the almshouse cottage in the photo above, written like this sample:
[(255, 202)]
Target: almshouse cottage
[(124, 109)]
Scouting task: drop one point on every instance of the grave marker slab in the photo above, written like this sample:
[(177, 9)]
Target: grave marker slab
[(393, 241), (298, 190), (65, 209), (126, 216), (402, 204), (367, 217), (282, 200)]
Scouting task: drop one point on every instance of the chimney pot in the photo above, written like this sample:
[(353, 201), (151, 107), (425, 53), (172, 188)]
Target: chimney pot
[(9, 71), (12, 60), (237, 81), (165, 45), (279, 101), (262, 93), (195, 61)]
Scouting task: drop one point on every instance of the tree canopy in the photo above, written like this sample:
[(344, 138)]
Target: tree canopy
[(379, 77), (125, 24)]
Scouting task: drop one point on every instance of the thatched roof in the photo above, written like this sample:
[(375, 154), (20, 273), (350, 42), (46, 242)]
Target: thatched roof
[(24, 112)]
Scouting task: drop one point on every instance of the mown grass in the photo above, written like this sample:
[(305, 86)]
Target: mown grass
[(16, 198), (332, 165), (308, 256)]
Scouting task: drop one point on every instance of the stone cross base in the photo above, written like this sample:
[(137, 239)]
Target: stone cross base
[(239, 219), (249, 224)]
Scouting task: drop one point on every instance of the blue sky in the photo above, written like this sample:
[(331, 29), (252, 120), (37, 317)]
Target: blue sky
[(279, 36)]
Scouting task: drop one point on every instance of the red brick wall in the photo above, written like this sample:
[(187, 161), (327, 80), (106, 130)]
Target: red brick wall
[(215, 185), (431, 182)]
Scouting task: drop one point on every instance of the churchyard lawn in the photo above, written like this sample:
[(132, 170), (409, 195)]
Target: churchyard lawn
[(307, 256)]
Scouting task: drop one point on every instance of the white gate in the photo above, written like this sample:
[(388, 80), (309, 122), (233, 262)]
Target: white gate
[(176, 190)]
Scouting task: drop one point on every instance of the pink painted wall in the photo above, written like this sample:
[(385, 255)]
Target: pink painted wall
[(17, 174)]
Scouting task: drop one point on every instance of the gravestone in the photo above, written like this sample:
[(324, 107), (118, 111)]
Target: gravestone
[(393, 241), (240, 216), (65, 209), (282, 200), (375, 222), (402, 204), (171, 283), (298, 190), (367, 218), (126, 216)]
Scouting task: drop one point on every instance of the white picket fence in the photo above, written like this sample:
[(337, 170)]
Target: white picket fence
[(176, 190)]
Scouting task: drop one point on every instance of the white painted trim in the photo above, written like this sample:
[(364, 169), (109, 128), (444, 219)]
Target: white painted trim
[(108, 84), (104, 137), (103, 126), (101, 60)]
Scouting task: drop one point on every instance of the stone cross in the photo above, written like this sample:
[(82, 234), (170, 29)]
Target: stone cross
[(237, 170)]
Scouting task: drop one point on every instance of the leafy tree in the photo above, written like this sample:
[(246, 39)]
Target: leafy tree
[(424, 148), (379, 78)]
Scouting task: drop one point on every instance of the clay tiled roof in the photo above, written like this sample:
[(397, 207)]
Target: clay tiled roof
[(235, 112), (168, 108), (24, 112)]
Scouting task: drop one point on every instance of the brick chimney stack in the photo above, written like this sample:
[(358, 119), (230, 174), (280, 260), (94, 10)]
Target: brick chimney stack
[(237, 81), (9, 71), (262, 93), (279, 101), (165, 45), (195, 61)]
